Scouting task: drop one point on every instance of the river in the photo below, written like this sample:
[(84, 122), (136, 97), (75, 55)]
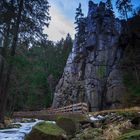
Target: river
[(17, 133)]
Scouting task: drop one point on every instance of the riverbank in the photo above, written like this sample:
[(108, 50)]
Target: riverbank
[(18, 130), (119, 124), (122, 124)]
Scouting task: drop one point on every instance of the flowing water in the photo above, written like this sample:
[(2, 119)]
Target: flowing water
[(17, 133)]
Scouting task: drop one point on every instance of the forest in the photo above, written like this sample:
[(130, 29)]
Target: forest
[(29, 71)]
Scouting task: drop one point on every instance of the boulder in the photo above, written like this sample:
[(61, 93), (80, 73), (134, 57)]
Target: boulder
[(2, 126), (71, 126), (136, 121), (46, 131), (92, 72)]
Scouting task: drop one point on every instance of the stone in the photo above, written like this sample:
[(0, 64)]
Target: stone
[(48, 131), (13, 126), (69, 125), (136, 121), (2, 126), (92, 72)]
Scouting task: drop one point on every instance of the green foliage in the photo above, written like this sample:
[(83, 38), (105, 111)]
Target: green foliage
[(132, 85), (80, 22), (131, 62), (34, 17), (133, 135), (109, 5), (124, 6), (21, 62), (36, 73), (128, 115)]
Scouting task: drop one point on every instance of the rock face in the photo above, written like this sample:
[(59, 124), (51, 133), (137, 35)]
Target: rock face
[(92, 72)]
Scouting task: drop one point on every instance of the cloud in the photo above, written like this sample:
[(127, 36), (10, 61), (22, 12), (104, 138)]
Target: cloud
[(69, 6), (59, 25)]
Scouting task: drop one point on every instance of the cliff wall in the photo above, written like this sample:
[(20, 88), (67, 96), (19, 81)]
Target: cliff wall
[(92, 73)]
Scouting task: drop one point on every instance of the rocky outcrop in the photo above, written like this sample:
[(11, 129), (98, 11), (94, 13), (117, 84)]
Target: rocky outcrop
[(92, 73)]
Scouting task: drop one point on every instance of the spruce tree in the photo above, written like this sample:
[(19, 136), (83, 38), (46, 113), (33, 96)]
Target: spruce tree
[(20, 21), (79, 16), (124, 6), (109, 5), (80, 22)]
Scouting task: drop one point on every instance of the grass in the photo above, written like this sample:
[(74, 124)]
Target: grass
[(74, 116), (115, 130), (133, 135), (132, 110)]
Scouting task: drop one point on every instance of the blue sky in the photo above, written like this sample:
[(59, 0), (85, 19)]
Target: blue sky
[(62, 13)]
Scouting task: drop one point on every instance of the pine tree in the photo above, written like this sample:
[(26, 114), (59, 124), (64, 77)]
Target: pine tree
[(124, 6), (109, 5), (67, 44), (79, 16), (80, 22), (20, 20)]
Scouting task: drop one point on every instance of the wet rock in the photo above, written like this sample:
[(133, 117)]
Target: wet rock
[(86, 124), (13, 126), (2, 126), (71, 126), (136, 121)]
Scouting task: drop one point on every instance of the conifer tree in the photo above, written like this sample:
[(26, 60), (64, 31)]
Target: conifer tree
[(124, 6), (109, 5), (80, 22), (20, 21), (79, 16)]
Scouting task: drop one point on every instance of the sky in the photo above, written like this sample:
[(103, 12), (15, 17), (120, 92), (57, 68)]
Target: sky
[(62, 14)]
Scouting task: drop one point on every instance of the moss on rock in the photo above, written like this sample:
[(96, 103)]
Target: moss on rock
[(71, 126), (48, 131), (76, 116)]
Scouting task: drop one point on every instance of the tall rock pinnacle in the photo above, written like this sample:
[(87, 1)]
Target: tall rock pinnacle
[(92, 72)]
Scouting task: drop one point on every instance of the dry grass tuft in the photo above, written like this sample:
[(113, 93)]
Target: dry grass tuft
[(8, 121), (114, 131), (132, 109), (111, 133)]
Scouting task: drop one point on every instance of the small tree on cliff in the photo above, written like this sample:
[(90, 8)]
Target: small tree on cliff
[(80, 22), (78, 18), (109, 5), (124, 6)]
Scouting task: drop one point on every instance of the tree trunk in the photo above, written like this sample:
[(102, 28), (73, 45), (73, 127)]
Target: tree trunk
[(4, 53), (126, 15), (10, 67), (2, 70)]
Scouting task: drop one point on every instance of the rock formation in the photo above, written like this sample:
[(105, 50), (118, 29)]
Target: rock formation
[(92, 73)]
